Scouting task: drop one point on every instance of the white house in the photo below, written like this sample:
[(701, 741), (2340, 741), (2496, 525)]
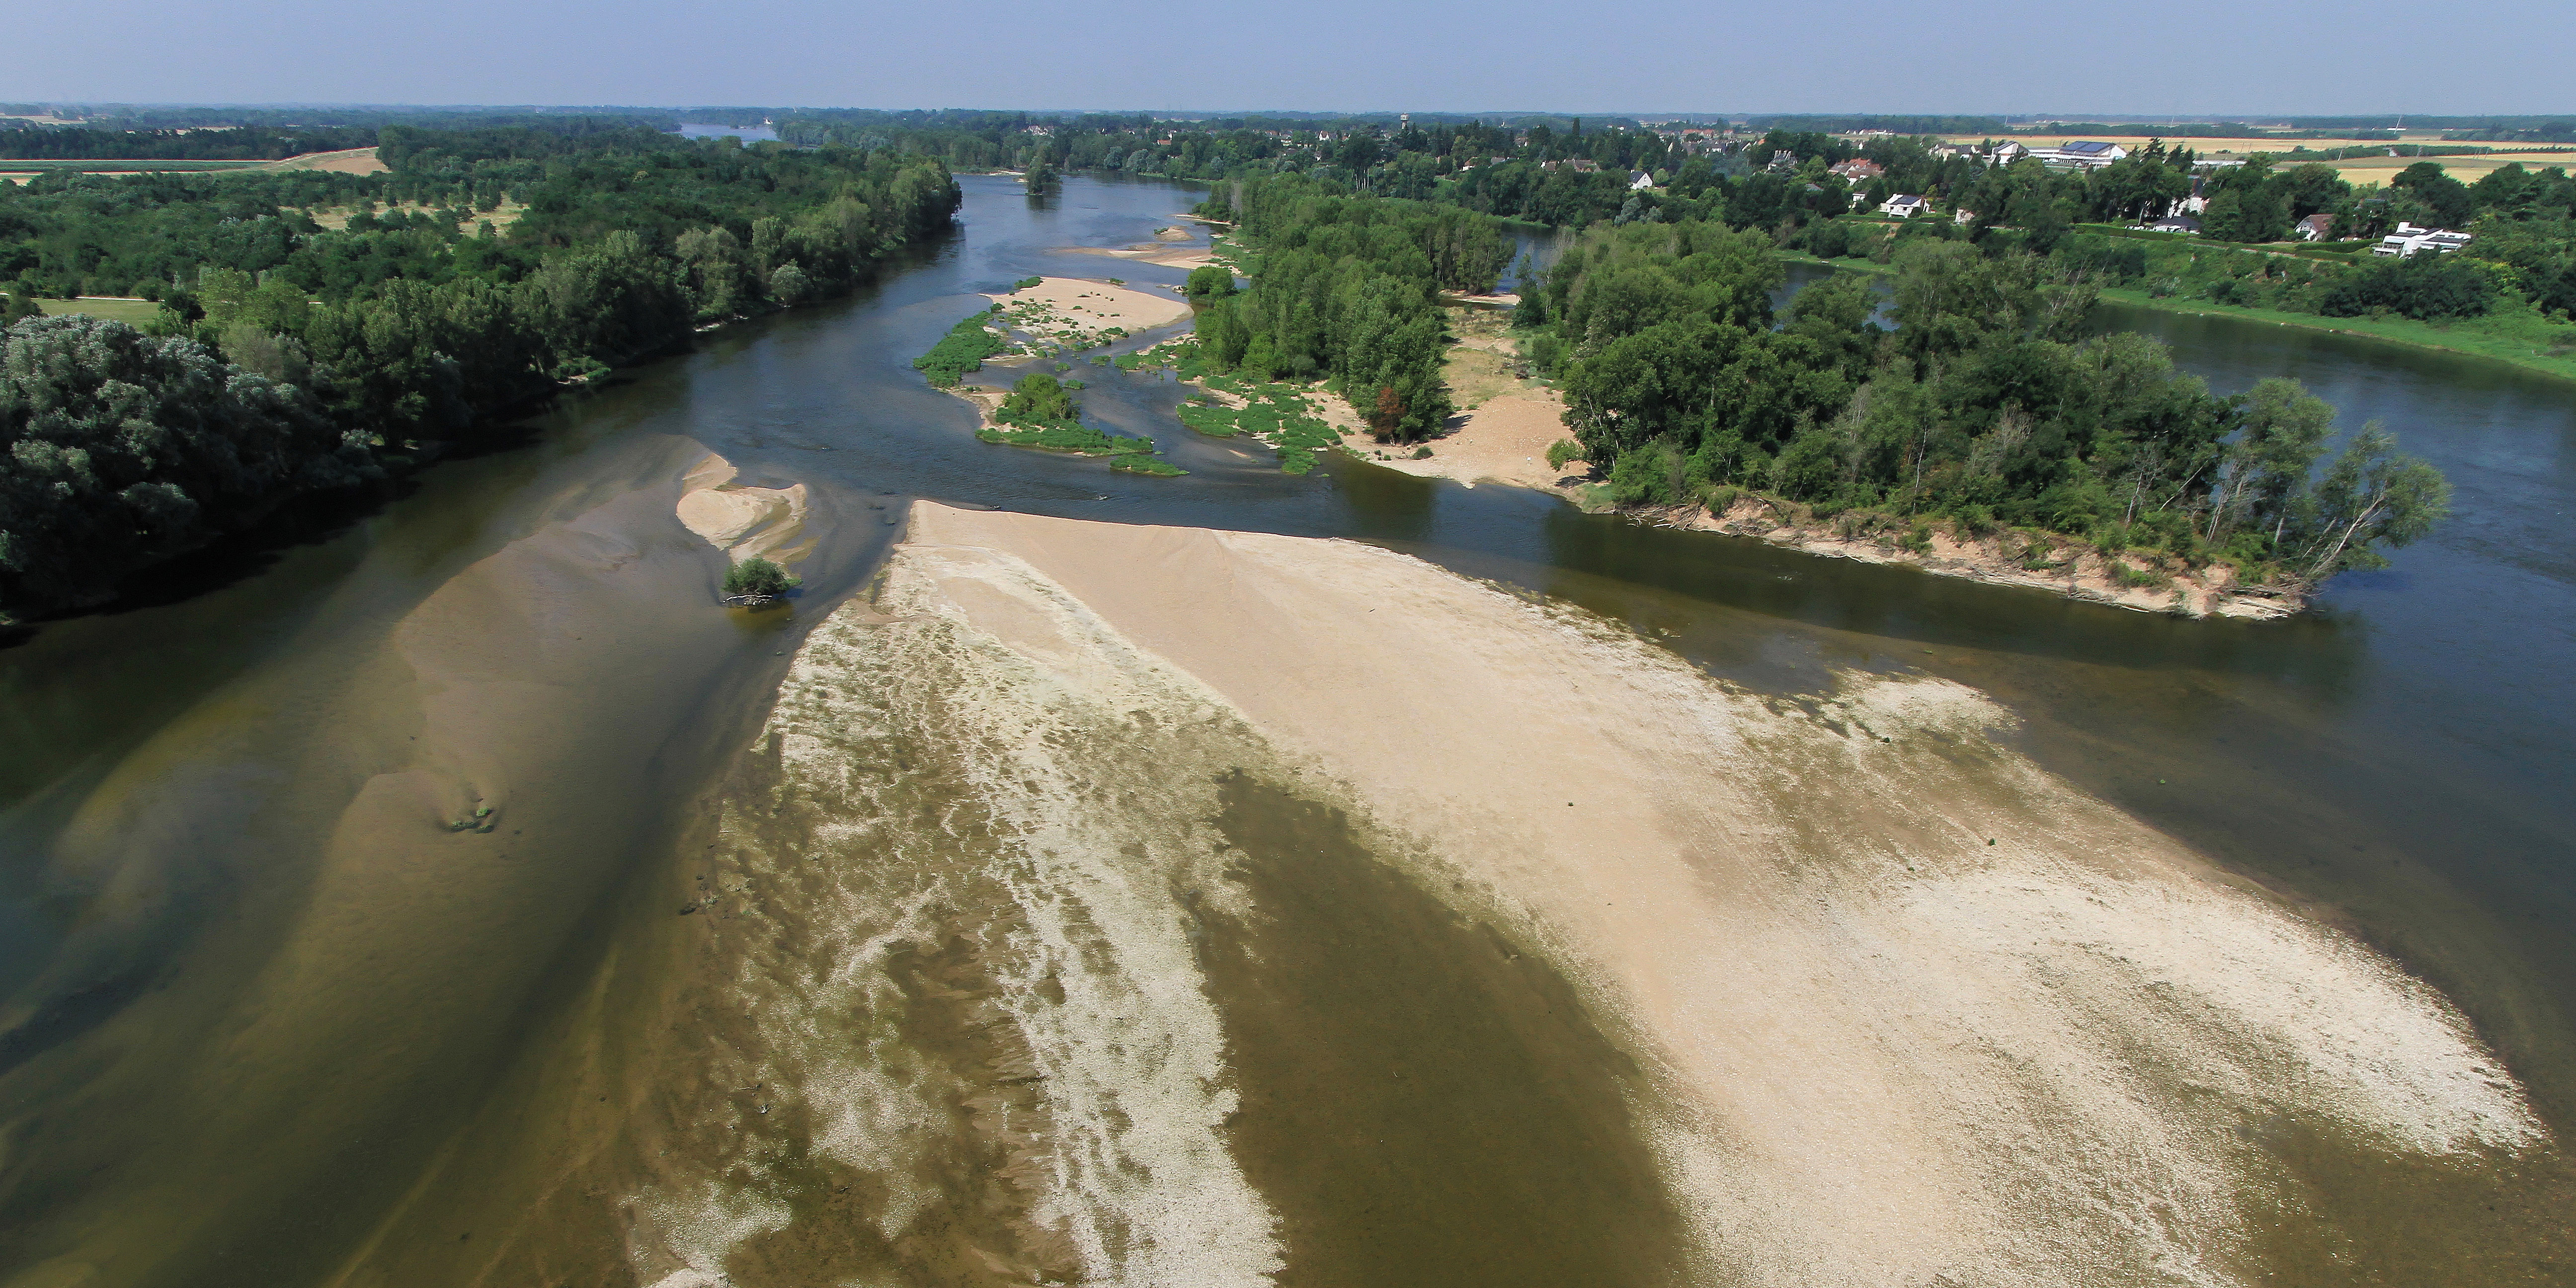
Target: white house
[(2409, 239), (1905, 205), (2198, 202), (1639, 181), (2316, 228), (2081, 154)]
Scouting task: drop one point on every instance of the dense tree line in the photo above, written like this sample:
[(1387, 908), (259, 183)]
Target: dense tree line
[(1347, 290), (246, 143), (1986, 406), (354, 343)]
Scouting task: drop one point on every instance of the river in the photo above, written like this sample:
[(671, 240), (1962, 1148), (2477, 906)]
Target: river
[(269, 1020)]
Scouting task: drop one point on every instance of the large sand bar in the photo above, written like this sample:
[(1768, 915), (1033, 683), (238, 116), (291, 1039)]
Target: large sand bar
[(1911, 1010)]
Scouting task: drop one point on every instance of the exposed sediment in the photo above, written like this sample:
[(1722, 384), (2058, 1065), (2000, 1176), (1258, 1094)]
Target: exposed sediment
[(1899, 1007)]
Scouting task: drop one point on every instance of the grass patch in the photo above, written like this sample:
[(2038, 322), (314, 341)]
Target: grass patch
[(1281, 415), (130, 312), (101, 165), (1077, 438), (963, 349)]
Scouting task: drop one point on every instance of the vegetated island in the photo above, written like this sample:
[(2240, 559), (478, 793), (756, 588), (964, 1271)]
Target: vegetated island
[(1043, 318), (1986, 436)]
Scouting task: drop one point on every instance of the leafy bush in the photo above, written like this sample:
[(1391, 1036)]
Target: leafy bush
[(1563, 452), (759, 578), (1211, 282), (1025, 283), (2423, 287), (962, 350)]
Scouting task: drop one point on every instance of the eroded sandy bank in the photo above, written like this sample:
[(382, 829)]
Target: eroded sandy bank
[(1910, 1007)]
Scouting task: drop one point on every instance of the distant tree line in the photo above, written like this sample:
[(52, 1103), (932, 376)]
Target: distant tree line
[(290, 355), (247, 143)]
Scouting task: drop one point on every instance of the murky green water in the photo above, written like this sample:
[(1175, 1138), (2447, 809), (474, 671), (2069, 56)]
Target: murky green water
[(267, 1021)]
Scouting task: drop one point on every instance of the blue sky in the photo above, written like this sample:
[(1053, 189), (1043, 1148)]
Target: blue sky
[(2150, 57)]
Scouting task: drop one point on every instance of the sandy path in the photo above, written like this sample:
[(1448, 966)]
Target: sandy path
[(1916, 1010)]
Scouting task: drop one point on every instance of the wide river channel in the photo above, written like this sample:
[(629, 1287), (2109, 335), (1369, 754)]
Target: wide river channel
[(257, 1028)]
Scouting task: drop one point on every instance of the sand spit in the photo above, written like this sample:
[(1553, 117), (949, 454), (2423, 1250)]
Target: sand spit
[(2065, 567), (744, 522), (1090, 305), (952, 970), (1505, 440), (1915, 1011)]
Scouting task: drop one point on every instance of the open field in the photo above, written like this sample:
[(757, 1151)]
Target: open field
[(110, 165), (351, 161), (134, 312), (2234, 143), (2377, 169), (500, 217)]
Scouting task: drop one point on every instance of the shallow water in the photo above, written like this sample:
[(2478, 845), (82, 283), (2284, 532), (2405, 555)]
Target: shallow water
[(265, 1023)]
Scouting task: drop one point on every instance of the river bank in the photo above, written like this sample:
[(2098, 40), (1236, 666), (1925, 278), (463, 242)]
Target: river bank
[(2549, 350)]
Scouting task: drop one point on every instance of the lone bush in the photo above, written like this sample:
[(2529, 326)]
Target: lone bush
[(1562, 451), (756, 576)]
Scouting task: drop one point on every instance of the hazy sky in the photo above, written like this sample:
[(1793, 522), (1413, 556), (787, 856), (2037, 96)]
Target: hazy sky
[(2151, 57)]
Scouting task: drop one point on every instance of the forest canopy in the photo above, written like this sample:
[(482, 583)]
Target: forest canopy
[(351, 319), (1987, 404)]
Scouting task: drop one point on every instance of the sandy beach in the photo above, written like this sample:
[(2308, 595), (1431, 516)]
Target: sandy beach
[(1096, 304), (1505, 440), (1905, 1008)]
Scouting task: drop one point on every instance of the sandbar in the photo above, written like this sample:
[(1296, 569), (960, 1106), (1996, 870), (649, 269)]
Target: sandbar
[(1907, 1008)]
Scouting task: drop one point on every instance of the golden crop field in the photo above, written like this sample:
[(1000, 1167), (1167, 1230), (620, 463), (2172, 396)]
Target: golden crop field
[(2377, 169)]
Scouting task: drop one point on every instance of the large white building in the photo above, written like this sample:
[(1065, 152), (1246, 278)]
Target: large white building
[(2081, 154), (2409, 239)]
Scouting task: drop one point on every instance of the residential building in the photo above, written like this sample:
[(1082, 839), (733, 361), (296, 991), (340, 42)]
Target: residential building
[(1639, 181), (2081, 154), (2410, 240), (1584, 165), (1905, 205), (2316, 228), (1857, 170)]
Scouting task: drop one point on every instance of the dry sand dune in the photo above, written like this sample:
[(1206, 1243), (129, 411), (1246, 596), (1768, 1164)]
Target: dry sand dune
[(1913, 1011)]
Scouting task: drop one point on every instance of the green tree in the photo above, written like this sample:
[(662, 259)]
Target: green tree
[(1209, 282), (757, 578), (2371, 497)]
